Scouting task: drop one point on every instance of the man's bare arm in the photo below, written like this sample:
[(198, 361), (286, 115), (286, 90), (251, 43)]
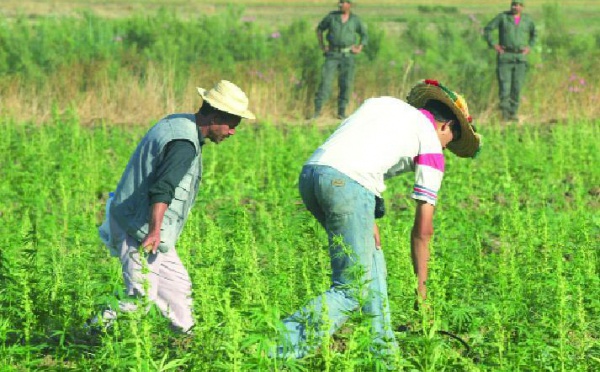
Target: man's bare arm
[(157, 215), (421, 234)]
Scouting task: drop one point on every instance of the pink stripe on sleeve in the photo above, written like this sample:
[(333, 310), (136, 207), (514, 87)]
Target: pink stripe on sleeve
[(423, 191), (435, 161)]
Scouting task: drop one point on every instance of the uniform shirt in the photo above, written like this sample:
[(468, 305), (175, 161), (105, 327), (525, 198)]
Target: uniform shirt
[(512, 36), (343, 35), (383, 138)]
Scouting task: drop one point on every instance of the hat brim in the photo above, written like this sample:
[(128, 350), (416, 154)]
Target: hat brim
[(246, 114), (468, 144)]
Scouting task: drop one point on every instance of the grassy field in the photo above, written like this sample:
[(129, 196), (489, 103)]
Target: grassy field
[(514, 269), (515, 260)]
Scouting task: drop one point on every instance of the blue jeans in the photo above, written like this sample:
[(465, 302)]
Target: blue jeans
[(346, 210)]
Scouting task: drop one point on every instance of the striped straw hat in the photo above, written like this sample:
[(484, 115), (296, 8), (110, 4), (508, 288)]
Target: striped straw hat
[(469, 143)]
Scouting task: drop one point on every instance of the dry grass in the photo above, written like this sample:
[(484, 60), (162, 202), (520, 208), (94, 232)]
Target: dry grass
[(127, 100)]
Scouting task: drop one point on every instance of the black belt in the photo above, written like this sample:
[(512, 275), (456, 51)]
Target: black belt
[(512, 50), (347, 49)]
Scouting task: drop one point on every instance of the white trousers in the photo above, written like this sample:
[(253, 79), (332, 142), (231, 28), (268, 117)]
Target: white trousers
[(167, 281)]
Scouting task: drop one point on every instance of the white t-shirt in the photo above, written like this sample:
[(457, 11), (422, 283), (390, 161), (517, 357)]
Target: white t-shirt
[(383, 138)]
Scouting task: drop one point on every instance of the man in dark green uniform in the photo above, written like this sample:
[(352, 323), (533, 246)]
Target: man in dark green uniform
[(342, 26), (516, 36)]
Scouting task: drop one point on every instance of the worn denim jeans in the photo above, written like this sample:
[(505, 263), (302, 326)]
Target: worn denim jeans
[(346, 210)]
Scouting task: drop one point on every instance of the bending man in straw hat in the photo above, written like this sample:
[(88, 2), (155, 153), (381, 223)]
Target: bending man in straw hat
[(154, 198), (342, 185)]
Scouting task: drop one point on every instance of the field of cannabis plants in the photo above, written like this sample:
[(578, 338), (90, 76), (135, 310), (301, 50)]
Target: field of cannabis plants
[(514, 268), (515, 265)]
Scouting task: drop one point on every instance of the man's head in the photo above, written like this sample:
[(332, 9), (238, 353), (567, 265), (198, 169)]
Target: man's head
[(345, 5), (216, 125), (222, 109), (448, 126), (451, 112), (516, 7)]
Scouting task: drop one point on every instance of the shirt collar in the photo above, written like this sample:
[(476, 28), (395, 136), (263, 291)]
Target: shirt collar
[(429, 116)]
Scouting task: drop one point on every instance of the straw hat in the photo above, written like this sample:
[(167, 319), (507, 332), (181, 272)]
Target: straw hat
[(227, 97), (470, 142)]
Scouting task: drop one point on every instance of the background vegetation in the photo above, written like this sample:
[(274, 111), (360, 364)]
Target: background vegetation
[(134, 68), (515, 264)]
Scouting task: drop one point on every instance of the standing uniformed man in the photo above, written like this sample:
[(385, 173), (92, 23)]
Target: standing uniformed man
[(342, 26), (516, 36)]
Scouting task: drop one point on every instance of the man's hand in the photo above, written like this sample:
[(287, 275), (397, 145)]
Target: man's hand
[(357, 48), (377, 238), (421, 303), (526, 50), (151, 242), (499, 48)]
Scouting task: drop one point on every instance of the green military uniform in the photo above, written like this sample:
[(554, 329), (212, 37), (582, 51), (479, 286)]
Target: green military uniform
[(512, 64), (341, 36)]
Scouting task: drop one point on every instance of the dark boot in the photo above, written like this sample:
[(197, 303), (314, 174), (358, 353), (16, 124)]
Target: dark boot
[(317, 113)]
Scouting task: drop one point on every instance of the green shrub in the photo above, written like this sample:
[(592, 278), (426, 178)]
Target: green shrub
[(448, 47)]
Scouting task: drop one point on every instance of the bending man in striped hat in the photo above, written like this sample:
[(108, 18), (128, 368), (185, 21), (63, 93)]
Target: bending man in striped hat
[(342, 185)]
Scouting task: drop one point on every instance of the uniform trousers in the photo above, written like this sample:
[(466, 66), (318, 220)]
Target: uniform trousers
[(343, 65), (511, 73)]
